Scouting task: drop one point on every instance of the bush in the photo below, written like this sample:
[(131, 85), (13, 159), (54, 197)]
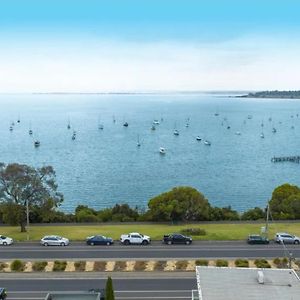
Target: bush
[(99, 266), (80, 266), (262, 263), (17, 265), (39, 266), (297, 262), (241, 263), (160, 265), (201, 262), (222, 263), (193, 231), (181, 265), (59, 265), (281, 263), (120, 266), (140, 265), (3, 266)]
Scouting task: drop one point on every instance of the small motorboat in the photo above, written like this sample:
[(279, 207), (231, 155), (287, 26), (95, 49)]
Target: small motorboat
[(101, 126), (176, 132), (238, 133), (216, 114), (153, 127), (207, 143), (162, 150), (249, 117), (228, 127), (37, 143), (262, 135), (156, 122), (274, 130), (198, 138), (125, 124)]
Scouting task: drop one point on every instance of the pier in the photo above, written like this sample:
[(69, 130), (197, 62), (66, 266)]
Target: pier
[(295, 159)]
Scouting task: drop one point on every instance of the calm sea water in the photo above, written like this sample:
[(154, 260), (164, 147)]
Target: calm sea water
[(104, 167)]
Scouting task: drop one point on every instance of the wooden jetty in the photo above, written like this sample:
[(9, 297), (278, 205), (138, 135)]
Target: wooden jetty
[(295, 159)]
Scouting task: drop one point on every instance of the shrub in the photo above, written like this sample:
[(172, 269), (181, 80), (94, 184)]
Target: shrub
[(281, 263), (140, 265), (120, 266), (59, 265), (201, 262), (109, 290), (241, 263), (17, 265), (80, 266), (181, 265), (99, 266), (3, 266), (39, 266), (193, 231), (221, 263), (160, 265), (297, 262), (262, 263)]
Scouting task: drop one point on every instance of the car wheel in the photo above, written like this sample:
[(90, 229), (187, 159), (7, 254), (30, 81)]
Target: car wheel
[(4, 244), (46, 244), (62, 244), (92, 244), (108, 243), (126, 242), (144, 243), (296, 242), (187, 242), (169, 242)]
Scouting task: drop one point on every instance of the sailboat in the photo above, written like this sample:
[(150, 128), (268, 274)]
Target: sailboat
[(138, 141), (114, 119), (30, 130), (69, 125), (100, 125), (74, 135)]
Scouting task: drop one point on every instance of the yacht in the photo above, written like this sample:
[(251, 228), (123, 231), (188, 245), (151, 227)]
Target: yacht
[(207, 143), (37, 143), (162, 150), (198, 138), (176, 132)]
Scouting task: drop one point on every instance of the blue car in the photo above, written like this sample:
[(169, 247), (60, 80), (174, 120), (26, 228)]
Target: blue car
[(99, 240)]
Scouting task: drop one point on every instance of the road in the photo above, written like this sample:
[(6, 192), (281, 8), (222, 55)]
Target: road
[(199, 249), (135, 286)]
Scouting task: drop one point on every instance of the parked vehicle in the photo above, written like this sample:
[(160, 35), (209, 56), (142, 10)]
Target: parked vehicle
[(176, 238), (257, 239), (99, 240), (135, 238), (3, 294), (4, 240), (286, 238), (54, 240)]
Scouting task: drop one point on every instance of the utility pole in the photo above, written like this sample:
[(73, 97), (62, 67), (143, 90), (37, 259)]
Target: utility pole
[(267, 222), (27, 219)]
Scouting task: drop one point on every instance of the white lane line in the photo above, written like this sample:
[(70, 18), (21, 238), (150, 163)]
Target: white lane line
[(154, 297), (117, 291)]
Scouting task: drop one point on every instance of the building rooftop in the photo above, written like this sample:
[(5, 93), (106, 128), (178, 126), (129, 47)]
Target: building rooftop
[(243, 283)]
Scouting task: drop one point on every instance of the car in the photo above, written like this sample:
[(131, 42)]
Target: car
[(135, 238), (4, 240), (257, 239), (99, 240), (54, 240), (177, 238), (286, 238), (3, 294)]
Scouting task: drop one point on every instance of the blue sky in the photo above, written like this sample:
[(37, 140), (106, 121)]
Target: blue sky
[(144, 44)]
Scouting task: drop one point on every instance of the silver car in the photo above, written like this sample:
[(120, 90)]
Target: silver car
[(286, 238), (54, 240)]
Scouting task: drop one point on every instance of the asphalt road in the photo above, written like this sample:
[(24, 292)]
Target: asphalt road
[(129, 287), (157, 250)]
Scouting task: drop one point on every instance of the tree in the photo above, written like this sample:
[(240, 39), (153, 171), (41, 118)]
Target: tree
[(253, 214), (285, 202), (21, 184), (109, 290), (179, 204)]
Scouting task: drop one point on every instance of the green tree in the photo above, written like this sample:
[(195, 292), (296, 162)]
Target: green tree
[(109, 290), (179, 204), (253, 214), (285, 202), (21, 184)]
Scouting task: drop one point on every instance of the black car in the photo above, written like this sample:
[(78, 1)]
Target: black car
[(177, 238), (3, 294), (99, 240), (257, 239)]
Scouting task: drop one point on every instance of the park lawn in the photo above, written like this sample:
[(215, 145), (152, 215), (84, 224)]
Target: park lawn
[(237, 231)]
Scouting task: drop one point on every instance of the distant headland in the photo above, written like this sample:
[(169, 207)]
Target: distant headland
[(273, 94)]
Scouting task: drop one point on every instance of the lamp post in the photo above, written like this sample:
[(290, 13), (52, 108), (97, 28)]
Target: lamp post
[(27, 219)]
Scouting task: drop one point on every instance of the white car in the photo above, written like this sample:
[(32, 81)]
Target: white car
[(135, 238), (54, 240), (4, 240), (286, 238)]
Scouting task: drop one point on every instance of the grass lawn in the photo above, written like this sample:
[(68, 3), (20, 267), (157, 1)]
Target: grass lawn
[(237, 231)]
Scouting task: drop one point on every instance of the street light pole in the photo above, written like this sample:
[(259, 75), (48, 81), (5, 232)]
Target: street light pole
[(27, 219)]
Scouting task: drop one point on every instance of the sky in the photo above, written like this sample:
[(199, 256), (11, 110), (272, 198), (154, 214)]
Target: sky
[(148, 45)]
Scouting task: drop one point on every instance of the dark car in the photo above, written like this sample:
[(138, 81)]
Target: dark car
[(257, 239), (3, 293), (99, 240), (176, 238)]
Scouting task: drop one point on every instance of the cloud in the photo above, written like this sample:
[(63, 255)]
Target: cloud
[(90, 65)]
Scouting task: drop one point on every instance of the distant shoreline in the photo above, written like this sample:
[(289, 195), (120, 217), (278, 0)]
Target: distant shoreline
[(272, 95)]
